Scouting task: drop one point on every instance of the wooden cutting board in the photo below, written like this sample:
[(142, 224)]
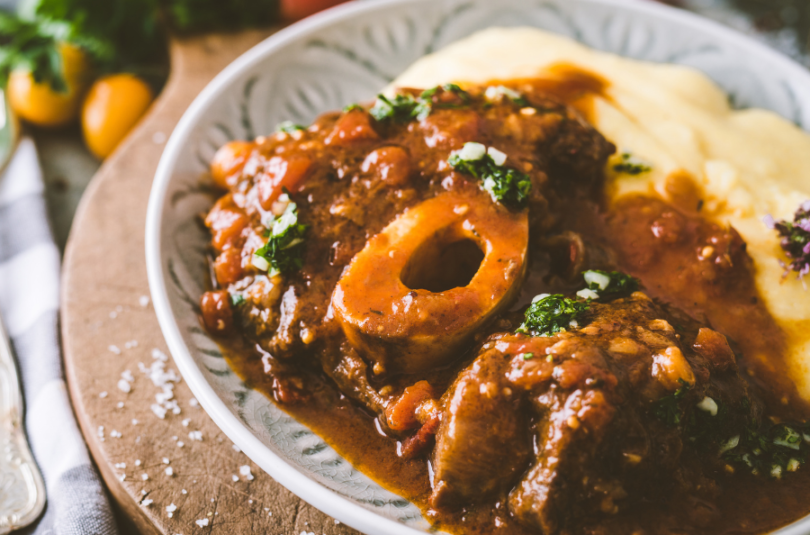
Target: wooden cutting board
[(178, 474)]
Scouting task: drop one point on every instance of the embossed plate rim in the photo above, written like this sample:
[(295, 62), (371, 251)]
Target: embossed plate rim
[(321, 497)]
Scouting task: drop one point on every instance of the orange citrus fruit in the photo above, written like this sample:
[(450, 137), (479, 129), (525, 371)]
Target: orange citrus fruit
[(112, 107), (38, 103)]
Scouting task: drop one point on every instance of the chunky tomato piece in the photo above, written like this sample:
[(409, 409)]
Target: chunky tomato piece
[(228, 163), (228, 266), (401, 415), (282, 172), (217, 312), (226, 221), (389, 164), (352, 127)]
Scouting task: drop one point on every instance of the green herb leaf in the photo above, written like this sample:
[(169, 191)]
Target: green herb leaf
[(768, 450), (506, 185), (527, 356), (289, 127), (352, 107), (631, 166), (237, 299), (618, 283), (550, 315), (668, 408), (30, 46), (404, 108), (284, 247)]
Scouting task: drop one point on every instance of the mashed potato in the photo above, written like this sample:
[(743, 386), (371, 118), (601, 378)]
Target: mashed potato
[(750, 163)]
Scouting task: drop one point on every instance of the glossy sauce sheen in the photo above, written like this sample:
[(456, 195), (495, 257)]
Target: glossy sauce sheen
[(680, 256)]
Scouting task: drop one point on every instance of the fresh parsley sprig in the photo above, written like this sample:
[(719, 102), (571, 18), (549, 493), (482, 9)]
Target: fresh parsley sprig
[(506, 185), (31, 46), (551, 314), (284, 249)]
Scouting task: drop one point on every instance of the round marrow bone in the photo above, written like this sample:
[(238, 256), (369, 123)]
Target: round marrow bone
[(384, 300)]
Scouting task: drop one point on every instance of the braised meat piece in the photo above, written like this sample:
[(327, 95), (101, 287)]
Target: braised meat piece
[(631, 405)]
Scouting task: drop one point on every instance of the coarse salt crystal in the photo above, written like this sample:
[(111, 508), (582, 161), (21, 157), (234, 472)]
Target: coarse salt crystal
[(235, 478), (237, 449), (120, 405), (159, 411), (143, 300), (127, 376), (202, 522), (183, 491), (245, 471), (196, 435), (134, 421), (115, 434), (130, 344), (171, 508), (124, 386), (169, 471), (186, 422), (193, 402), (180, 444), (145, 477), (166, 460), (113, 314), (103, 395), (147, 502), (114, 349), (137, 462), (122, 477), (120, 465)]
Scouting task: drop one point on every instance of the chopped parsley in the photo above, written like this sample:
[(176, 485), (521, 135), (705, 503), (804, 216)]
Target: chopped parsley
[(631, 165), (237, 299), (403, 108), (352, 107), (782, 447), (505, 184), (668, 408), (527, 356), (284, 248), (551, 314), (795, 238), (289, 127), (610, 283)]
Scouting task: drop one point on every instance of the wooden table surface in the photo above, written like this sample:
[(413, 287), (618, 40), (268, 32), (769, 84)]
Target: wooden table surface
[(177, 474)]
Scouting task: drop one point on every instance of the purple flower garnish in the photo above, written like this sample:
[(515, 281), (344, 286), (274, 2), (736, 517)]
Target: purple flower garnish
[(795, 238)]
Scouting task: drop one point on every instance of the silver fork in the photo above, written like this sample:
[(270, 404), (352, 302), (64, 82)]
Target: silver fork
[(22, 492)]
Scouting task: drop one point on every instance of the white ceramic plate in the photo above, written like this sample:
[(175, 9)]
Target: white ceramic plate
[(346, 55)]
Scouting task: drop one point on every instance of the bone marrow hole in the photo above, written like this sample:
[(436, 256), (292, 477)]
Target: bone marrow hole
[(443, 263)]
